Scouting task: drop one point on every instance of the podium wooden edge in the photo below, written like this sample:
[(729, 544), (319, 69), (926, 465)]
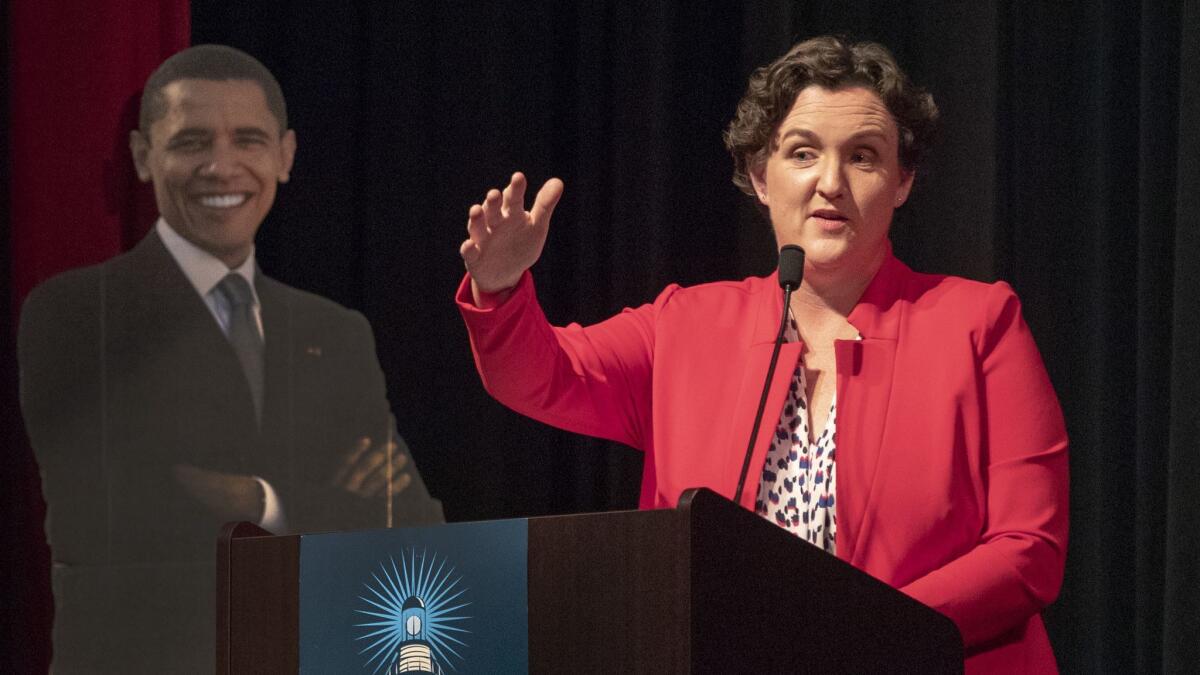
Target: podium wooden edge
[(229, 532)]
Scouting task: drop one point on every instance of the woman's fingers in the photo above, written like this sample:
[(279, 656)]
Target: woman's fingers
[(502, 209), (469, 251), (543, 205), (476, 223), (491, 210), (477, 233), (503, 239), (513, 205)]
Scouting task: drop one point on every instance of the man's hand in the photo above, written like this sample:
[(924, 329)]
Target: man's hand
[(364, 471), (504, 239), (228, 496)]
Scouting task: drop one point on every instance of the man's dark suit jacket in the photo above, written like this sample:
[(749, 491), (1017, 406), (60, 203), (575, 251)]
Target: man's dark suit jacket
[(125, 374)]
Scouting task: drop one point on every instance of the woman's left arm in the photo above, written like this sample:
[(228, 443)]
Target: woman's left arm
[(1016, 567)]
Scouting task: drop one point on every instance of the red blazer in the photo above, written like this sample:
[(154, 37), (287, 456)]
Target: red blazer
[(951, 448)]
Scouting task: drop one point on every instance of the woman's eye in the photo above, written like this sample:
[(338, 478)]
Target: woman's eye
[(863, 157), (802, 155)]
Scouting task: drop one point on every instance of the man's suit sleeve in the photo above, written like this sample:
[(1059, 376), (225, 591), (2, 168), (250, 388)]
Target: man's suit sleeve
[(58, 357)]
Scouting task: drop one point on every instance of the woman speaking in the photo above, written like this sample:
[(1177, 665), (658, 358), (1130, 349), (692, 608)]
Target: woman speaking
[(910, 429)]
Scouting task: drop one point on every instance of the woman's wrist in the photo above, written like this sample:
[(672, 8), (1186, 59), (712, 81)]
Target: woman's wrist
[(491, 298)]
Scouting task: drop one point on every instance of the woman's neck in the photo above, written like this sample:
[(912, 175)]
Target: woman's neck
[(830, 292)]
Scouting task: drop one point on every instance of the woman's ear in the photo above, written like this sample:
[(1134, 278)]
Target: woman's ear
[(758, 178), (905, 187)]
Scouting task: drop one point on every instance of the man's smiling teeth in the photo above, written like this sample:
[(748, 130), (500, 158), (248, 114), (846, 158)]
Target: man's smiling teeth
[(222, 201)]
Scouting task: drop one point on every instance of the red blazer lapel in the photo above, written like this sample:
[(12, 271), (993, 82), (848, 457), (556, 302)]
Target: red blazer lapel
[(864, 373)]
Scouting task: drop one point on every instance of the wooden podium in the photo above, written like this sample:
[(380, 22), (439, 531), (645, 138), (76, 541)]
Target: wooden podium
[(707, 587)]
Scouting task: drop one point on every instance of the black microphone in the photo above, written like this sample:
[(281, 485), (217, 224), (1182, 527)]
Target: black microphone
[(791, 272), (791, 268)]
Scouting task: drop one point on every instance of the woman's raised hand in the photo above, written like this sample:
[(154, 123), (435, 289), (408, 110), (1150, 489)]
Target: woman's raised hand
[(504, 239)]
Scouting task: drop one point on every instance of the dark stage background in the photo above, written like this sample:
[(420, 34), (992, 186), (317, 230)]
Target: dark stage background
[(1068, 166)]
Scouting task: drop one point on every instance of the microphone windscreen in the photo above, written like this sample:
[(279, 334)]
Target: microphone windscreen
[(791, 266)]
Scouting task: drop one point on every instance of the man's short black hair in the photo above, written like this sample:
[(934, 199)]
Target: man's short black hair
[(208, 62)]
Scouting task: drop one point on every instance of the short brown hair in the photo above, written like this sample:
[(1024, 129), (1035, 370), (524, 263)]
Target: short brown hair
[(208, 62), (832, 63)]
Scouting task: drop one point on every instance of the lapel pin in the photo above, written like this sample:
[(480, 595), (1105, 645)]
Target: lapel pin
[(312, 350)]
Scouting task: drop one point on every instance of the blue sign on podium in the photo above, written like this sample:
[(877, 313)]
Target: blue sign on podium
[(445, 599)]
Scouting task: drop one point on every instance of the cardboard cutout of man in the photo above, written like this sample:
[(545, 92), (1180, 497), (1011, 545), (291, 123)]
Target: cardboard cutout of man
[(175, 387)]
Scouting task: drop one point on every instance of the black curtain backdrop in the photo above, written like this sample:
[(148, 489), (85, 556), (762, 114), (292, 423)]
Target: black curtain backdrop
[(1068, 166), (406, 115)]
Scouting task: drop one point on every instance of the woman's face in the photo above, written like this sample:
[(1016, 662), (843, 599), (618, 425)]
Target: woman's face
[(833, 178)]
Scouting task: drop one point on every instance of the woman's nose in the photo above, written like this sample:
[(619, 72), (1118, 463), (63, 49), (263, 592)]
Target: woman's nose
[(832, 181)]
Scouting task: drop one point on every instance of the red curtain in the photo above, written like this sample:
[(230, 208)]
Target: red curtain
[(76, 72), (77, 75)]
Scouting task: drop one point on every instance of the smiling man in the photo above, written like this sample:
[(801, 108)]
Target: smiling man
[(215, 151), (176, 387)]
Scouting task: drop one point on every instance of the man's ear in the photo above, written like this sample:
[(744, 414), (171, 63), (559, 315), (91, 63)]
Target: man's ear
[(139, 147), (758, 178), (287, 148)]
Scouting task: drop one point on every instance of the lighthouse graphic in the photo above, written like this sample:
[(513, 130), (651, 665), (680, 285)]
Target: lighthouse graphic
[(416, 623), (415, 655)]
